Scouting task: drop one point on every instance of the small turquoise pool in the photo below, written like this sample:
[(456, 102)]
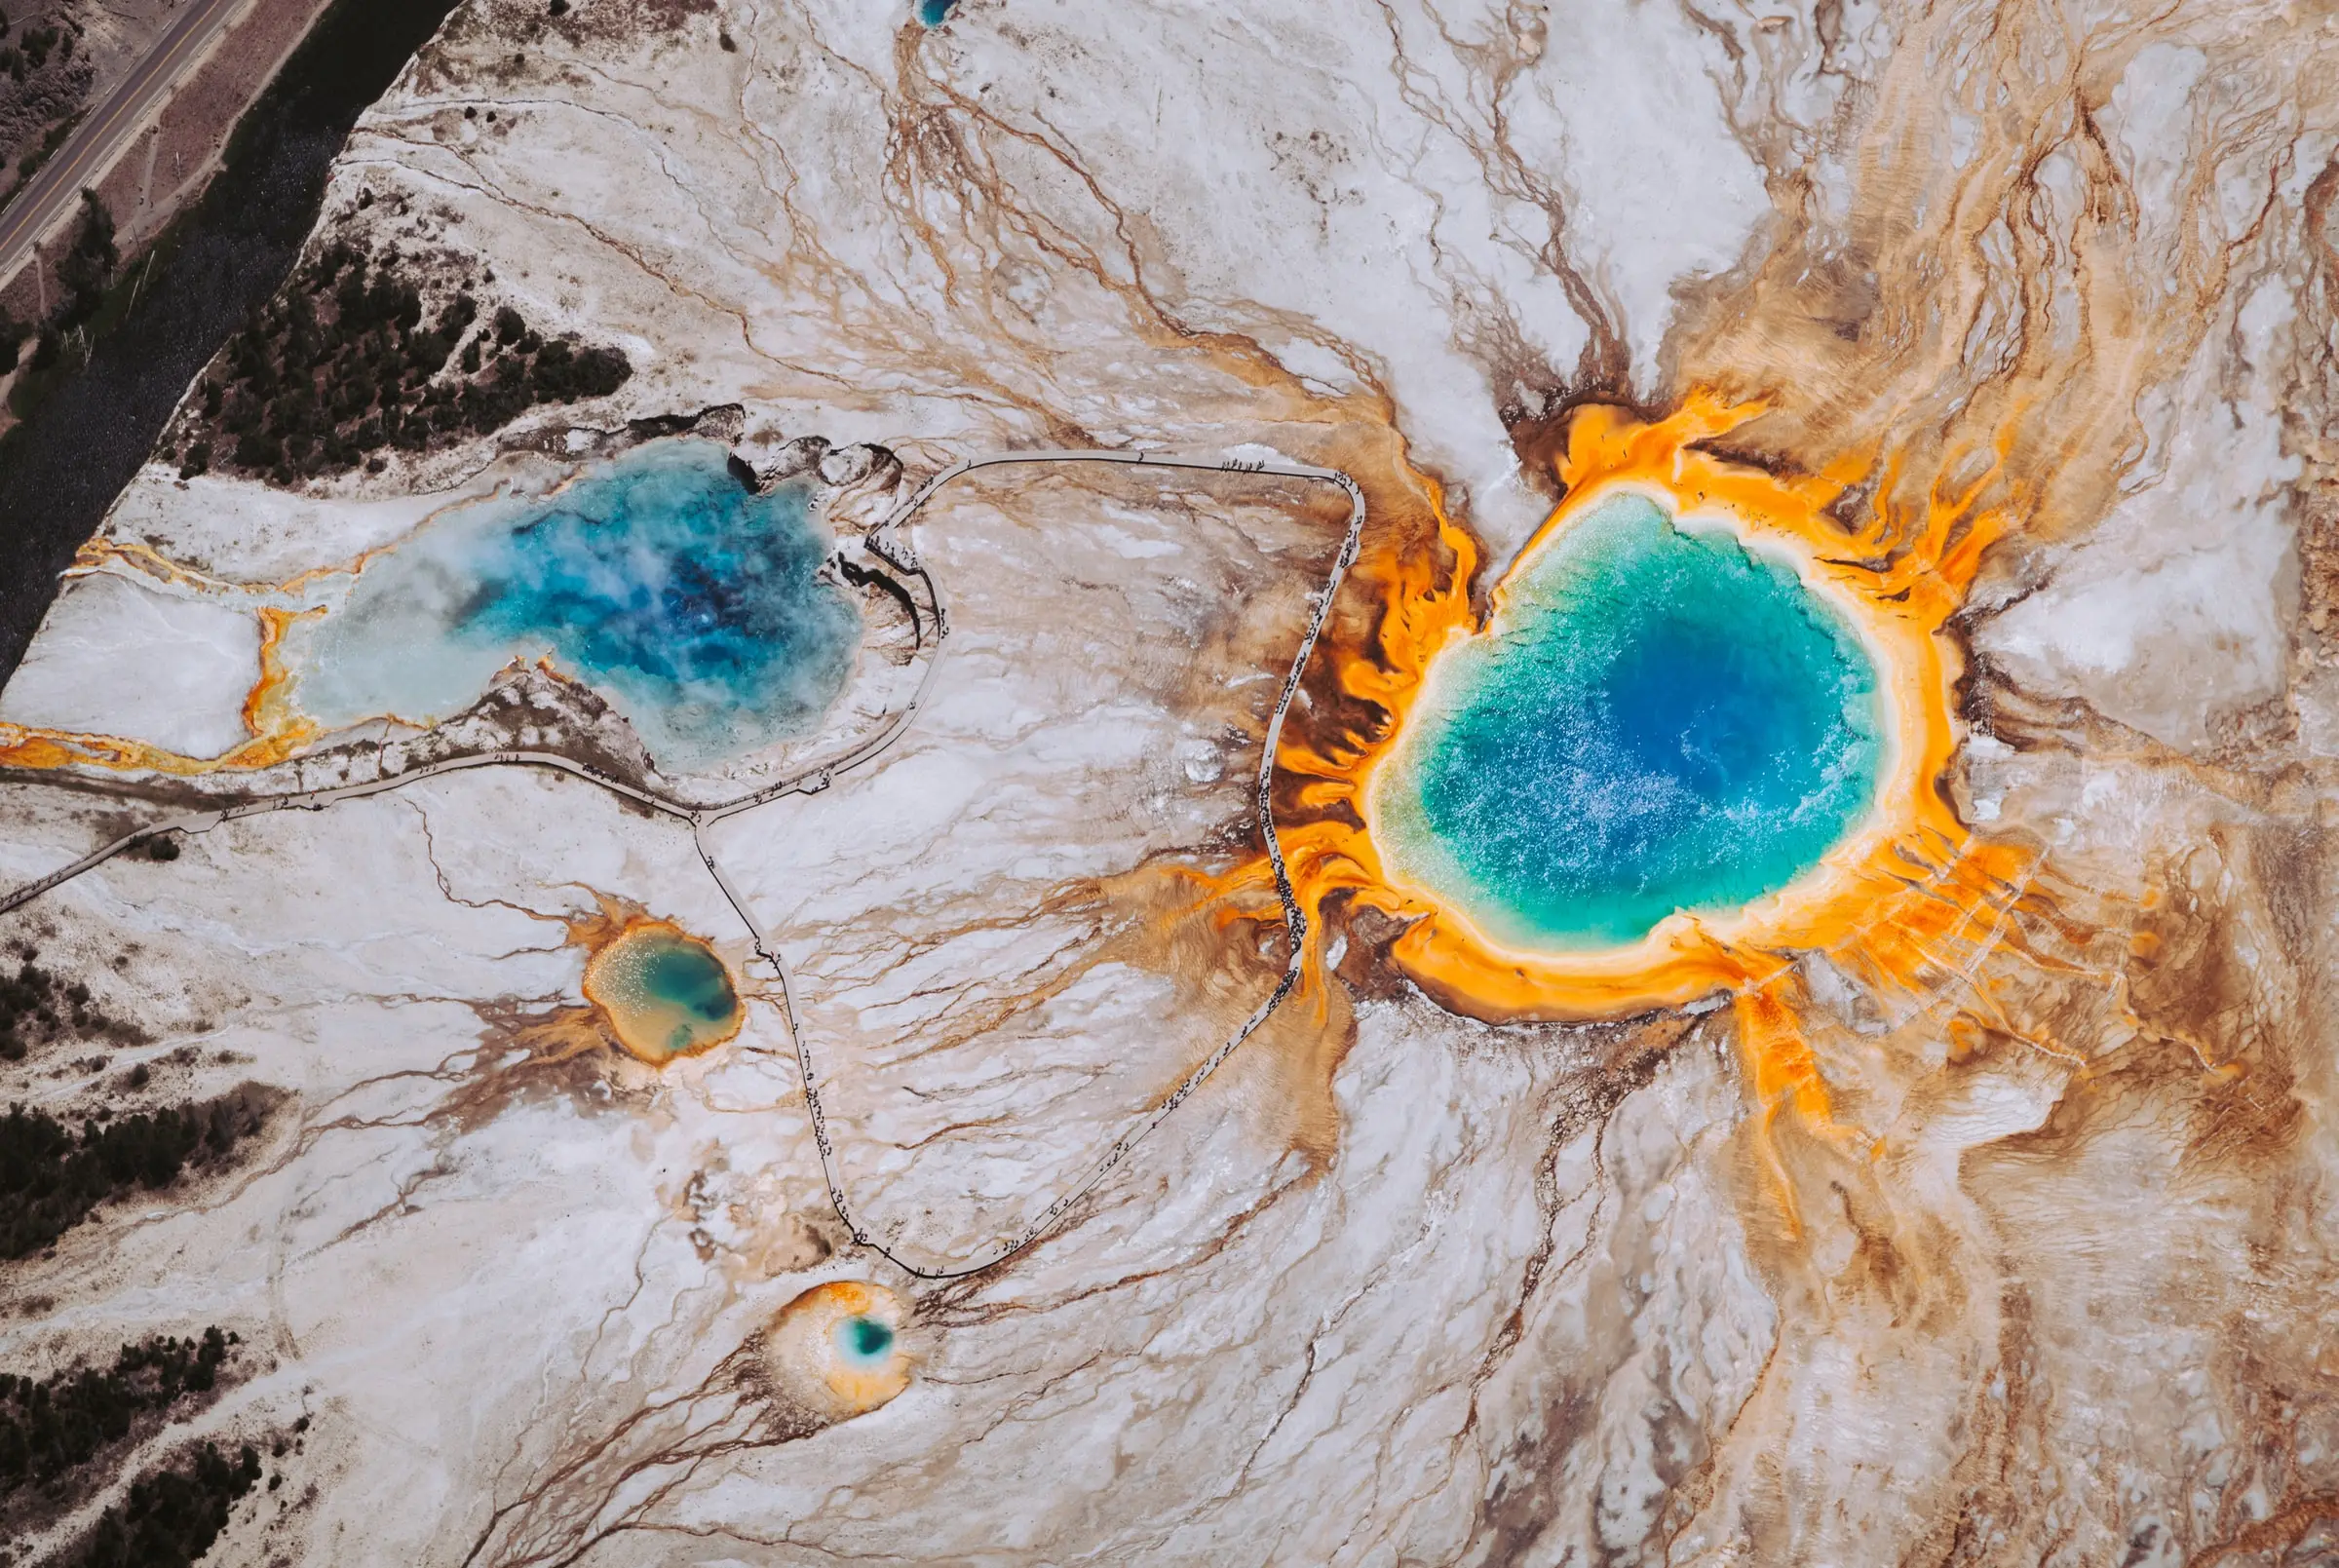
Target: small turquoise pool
[(660, 581), (864, 1341), (665, 992), (1658, 720)]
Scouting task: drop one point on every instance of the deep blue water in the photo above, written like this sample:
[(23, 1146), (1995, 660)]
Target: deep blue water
[(690, 603), (934, 12), (1657, 721)]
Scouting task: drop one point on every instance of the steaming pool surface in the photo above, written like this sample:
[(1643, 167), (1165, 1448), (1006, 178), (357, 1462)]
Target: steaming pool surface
[(1657, 720)]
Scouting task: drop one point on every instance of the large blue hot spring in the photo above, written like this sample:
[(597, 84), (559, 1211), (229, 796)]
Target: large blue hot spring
[(1658, 720), (691, 605)]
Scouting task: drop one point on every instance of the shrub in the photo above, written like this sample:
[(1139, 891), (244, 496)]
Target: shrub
[(51, 1178), (171, 1515), (50, 1426), (88, 265)]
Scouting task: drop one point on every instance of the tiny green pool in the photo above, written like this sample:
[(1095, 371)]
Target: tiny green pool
[(1658, 720)]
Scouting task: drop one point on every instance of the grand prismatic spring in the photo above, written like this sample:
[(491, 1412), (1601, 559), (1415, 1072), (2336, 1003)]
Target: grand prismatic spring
[(666, 895), (1654, 722), (1698, 725)]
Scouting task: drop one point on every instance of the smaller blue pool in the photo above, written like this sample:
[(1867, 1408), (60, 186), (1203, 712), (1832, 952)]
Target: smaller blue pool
[(934, 12), (691, 605), (665, 991)]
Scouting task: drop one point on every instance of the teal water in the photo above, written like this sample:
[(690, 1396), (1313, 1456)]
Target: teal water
[(864, 1341), (687, 977), (667, 993), (1656, 721), (659, 581)]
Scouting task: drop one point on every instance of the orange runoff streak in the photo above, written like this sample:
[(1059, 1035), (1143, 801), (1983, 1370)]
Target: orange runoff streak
[(277, 728)]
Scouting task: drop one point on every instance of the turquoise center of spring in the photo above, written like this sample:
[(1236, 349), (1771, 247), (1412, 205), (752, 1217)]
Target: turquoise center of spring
[(1656, 721), (864, 1341), (685, 979), (689, 979)]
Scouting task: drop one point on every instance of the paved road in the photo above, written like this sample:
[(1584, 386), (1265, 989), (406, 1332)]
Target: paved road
[(820, 776), (99, 139)]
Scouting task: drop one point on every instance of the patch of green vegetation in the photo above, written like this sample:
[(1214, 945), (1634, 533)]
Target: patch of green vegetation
[(30, 163), (50, 1427), (30, 53), (93, 300), (51, 1178), (172, 1514), (37, 1004), (37, 44), (346, 360)]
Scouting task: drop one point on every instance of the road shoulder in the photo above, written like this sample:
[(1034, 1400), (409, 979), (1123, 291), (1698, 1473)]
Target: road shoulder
[(162, 170)]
